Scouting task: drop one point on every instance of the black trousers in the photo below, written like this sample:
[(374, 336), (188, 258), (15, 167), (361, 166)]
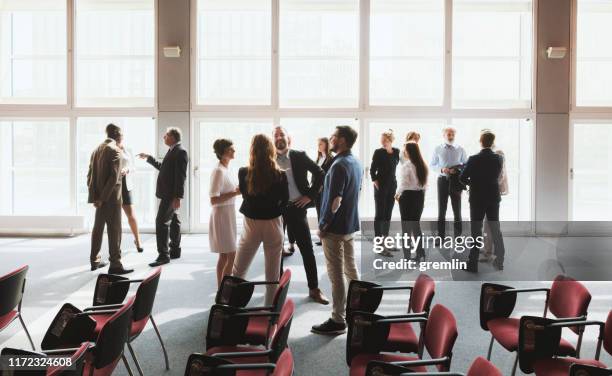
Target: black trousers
[(384, 200), (297, 226), (167, 225), (411, 205), (478, 212), (455, 197)]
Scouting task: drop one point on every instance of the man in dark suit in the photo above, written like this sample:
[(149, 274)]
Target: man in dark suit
[(104, 186), (481, 174), (302, 195), (170, 190)]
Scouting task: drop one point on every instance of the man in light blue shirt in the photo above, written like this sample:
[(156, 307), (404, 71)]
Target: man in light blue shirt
[(447, 160)]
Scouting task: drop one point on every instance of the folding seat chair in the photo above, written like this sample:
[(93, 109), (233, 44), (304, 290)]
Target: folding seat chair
[(237, 292), (366, 297), (71, 327), (206, 365), (12, 286), (111, 290), (367, 333), (566, 299), (225, 334), (72, 368), (480, 367), (540, 337)]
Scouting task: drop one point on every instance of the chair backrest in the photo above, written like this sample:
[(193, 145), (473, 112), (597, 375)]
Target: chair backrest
[(204, 365), (12, 286), (482, 367), (493, 304), (577, 369), (278, 343), (362, 297), (440, 334), (108, 291), (113, 336), (77, 361), (224, 328), (284, 364), (234, 291), (365, 334), (607, 341), (145, 295), (537, 340), (568, 298), (422, 294)]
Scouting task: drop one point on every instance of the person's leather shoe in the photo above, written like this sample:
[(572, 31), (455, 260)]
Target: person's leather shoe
[(160, 261), (175, 253), (287, 253), (317, 296), (329, 327), (119, 271), (98, 265)]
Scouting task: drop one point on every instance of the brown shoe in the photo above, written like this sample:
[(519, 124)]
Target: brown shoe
[(317, 296)]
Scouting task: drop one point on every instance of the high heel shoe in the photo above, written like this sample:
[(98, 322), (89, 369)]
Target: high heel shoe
[(139, 249)]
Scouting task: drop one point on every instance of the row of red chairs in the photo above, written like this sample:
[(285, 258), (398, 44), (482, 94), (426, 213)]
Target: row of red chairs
[(376, 345), (95, 337), (246, 340)]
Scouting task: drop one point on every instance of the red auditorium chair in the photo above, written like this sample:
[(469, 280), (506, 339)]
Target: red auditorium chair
[(12, 286), (226, 331), (71, 327), (74, 368), (480, 367), (237, 292), (566, 299), (367, 333), (366, 297), (111, 291), (540, 337), (205, 365)]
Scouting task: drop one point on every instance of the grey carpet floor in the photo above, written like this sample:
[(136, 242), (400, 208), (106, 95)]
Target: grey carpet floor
[(59, 272)]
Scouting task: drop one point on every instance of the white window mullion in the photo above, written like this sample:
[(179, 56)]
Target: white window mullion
[(448, 55), (364, 55), (70, 56), (275, 53)]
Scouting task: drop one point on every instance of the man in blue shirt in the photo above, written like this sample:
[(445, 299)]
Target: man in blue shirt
[(339, 221), (445, 161)]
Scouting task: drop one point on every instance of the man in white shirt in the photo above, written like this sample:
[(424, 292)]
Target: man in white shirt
[(446, 160)]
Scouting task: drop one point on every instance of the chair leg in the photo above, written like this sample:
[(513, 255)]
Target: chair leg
[(515, 364), (161, 343), (26, 331), (126, 364), (490, 348), (129, 346)]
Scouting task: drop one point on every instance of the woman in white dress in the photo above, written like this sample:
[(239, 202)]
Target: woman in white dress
[(222, 224)]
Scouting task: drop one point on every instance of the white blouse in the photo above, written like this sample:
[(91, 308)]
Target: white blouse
[(221, 182), (408, 180)]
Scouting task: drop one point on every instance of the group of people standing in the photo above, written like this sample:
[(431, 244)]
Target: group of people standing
[(110, 185), (484, 173)]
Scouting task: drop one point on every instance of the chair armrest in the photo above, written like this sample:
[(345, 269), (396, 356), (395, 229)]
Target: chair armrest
[(102, 312), (391, 288), (423, 362), (537, 289), (399, 320), (61, 351), (268, 366), (256, 314), (244, 354), (408, 315), (103, 307), (263, 308), (567, 323), (256, 283), (128, 281)]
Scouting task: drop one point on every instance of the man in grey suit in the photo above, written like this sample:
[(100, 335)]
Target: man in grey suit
[(104, 184)]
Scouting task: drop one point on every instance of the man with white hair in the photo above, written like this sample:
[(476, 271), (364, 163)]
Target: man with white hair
[(447, 161)]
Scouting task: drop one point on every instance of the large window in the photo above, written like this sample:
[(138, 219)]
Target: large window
[(115, 58), (33, 52), (591, 180), (319, 53), (35, 167), (139, 137), (492, 53), (594, 53), (234, 52), (513, 136), (407, 52)]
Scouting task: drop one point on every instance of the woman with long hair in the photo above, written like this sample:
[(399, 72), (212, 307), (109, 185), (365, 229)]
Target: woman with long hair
[(265, 194), (127, 185), (222, 223), (324, 160), (411, 192)]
